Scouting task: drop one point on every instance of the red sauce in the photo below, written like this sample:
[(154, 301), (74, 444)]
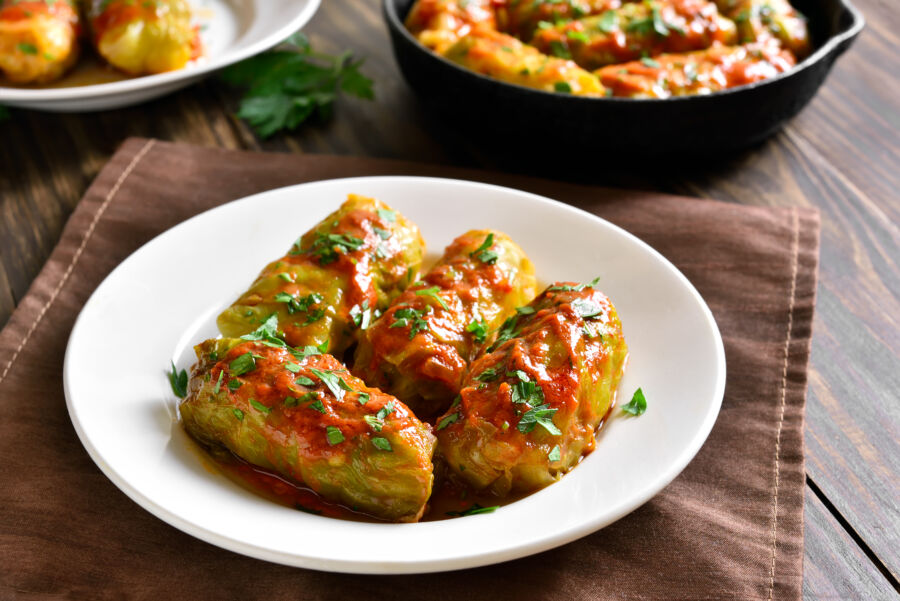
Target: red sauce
[(123, 12), (11, 10)]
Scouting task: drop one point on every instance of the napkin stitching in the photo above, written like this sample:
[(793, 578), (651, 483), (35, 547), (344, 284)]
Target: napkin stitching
[(795, 251), (87, 235)]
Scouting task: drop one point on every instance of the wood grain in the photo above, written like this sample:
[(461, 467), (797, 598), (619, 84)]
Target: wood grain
[(841, 154)]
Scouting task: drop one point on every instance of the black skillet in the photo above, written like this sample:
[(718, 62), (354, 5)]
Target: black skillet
[(508, 121)]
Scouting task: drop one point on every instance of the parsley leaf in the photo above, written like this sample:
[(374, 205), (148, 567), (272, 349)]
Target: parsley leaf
[(578, 288), (291, 83), (386, 410), (555, 454), (363, 398), (407, 316), (585, 308), (382, 443), (334, 435), (301, 304), (335, 384), (387, 215), (483, 252), (607, 22), (488, 375), (453, 417), (479, 330), (259, 406), (328, 247), (218, 385), (238, 414), (304, 381), (373, 421), (541, 415), (433, 293), (506, 332), (177, 379), (267, 331), (473, 510), (243, 364), (637, 405)]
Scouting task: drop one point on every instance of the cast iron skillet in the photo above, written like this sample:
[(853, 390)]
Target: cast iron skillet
[(508, 120)]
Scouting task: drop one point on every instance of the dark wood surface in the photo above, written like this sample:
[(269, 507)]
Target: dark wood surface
[(841, 154)]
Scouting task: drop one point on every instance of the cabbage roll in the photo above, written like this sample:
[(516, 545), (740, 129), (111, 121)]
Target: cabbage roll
[(420, 348), (335, 279), (302, 415), (532, 401), (438, 24), (38, 39)]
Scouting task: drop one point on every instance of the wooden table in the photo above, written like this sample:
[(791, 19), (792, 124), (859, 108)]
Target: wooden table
[(841, 154)]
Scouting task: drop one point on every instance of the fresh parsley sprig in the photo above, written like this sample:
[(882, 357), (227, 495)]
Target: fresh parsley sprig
[(290, 84)]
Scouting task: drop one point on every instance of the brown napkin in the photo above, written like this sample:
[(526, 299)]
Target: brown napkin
[(730, 527)]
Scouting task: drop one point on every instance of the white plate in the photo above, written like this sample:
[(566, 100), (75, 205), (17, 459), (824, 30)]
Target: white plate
[(231, 30), (164, 298)]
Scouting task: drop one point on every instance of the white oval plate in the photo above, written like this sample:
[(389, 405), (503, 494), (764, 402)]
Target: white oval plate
[(231, 31), (164, 298)]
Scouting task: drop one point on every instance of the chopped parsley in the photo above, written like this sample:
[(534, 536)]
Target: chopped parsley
[(317, 406), (407, 316), (259, 406), (361, 315), (578, 35), (234, 385), (585, 308), (334, 435), (506, 332), (526, 391), (218, 385), (373, 421), (267, 332), (305, 381), (363, 398), (387, 215), (382, 443), (526, 310), (238, 414), (607, 22), (555, 454), (578, 288), (243, 364), (452, 418), (479, 330), (335, 384), (488, 375), (637, 405), (433, 293), (292, 367), (327, 247), (473, 510), (484, 253), (178, 380), (386, 410), (383, 234), (301, 304), (541, 415), (649, 62)]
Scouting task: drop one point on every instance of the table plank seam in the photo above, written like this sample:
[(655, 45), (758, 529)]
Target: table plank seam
[(853, 534), (74, 261)]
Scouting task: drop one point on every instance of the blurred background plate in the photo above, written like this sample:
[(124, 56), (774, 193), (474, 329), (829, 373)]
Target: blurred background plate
[(232, 30), (165, 297)]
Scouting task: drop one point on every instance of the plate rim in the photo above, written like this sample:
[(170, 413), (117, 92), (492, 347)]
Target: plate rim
[(135, 84), (381, 566)]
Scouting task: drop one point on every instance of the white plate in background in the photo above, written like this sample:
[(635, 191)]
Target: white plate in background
[(164, 299), (232, 30)]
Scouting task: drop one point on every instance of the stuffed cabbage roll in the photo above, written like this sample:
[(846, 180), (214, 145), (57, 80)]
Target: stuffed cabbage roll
[(636, 30), (302, 415), (702, 72), (521, 17), (420, 348), (531, 403), (438, 24), (38, 39), (758, 20), (505, 58), (143, 37), (335, 279)]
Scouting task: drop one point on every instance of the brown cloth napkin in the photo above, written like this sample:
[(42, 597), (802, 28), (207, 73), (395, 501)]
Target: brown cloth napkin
[(729, 527)]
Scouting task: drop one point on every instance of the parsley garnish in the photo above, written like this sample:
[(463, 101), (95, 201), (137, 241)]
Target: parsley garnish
[(382, 443), (585, 308), (383, 234), (526, 310), (407, 316), (506, 332), (479, 330), (267, 332), (243, 364), (328, 247), (562, 87), (335, 384), (433, 293), (488, 375), (526, 391), (387, 215), (578, 35), (386, 410), (304, 381), (238, 414), (317, 406), (637, 405), (361, 315), (578, 288), (473, 510), (555, 454), (218, 385), (234, 385), (292, 367), (483, 252), (288, 85), (374, 422), (447, 421), (363, 398), (649, 62), (259, 406), (302, 304), (334, 435), (607, 22), (178, 380), (541, 415)]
